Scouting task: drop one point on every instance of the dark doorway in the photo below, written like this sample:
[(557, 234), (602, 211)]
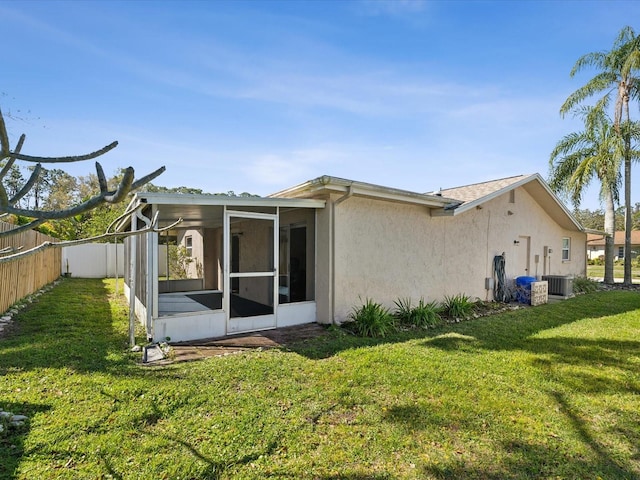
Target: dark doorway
[(298, 263), (235, 262)]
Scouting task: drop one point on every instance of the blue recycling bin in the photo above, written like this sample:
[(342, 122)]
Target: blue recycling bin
[(523, 289)]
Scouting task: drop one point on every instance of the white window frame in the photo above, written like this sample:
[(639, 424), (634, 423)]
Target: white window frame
[(566, 249), (188, 244), (621, 252)]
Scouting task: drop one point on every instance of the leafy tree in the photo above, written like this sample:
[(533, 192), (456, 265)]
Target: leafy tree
[(62, 190), (579, 157), (14, 180), (593, 220), (151, 188), (636, 217), (616, 77)]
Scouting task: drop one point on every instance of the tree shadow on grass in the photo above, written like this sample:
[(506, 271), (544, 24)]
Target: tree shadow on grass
[(13, 439), (528, 460), (519, 458), (70, 326), (502, 331), (214, 470)]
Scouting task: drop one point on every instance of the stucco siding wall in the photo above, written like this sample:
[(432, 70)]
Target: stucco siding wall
[(212, 258), (197, 249), (383, 251), (389, 250)]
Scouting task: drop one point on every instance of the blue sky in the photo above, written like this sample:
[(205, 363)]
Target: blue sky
[(258, 96)]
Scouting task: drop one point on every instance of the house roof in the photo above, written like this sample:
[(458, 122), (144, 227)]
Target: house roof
[(447, 202), (475, 191), (471, 196), (330, 184), (594, 240)]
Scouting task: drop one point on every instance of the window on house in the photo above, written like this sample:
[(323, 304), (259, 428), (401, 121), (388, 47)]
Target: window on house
[(620, 253), (188, 244), (566, 249)]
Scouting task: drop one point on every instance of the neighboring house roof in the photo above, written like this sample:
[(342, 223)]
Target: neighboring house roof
[(618, 239)]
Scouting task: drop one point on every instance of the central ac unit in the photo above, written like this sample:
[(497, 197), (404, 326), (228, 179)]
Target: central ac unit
[(559, 285)]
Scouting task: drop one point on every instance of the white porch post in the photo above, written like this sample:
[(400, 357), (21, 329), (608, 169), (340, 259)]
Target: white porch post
[(132, 281)]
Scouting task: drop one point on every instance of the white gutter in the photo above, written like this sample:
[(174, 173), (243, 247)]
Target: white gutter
[(220, 200), (327, 184), (332, 253)]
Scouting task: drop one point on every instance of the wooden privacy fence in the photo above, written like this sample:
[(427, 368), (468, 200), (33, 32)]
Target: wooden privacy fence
[(24, 276)]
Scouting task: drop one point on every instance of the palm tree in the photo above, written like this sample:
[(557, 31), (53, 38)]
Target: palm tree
[(578, 157), (616, 76)]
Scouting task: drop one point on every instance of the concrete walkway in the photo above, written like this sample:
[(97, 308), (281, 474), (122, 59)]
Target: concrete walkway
[(218, 347)]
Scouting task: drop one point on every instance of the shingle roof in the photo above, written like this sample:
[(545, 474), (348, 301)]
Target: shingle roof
[(618, 239), (469, 193)]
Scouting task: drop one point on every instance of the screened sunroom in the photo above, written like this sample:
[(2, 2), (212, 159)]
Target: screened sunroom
[(232, 264)]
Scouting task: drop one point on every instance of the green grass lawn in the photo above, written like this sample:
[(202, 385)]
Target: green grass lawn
[(597, 271), (545, 392)]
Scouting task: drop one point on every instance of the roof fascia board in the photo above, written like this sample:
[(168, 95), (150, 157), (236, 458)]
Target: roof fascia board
[(215, 200), (558, 201), (328, 184)]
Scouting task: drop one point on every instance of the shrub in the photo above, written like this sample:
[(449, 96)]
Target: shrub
[(458, 306), (425, 314), (371, 320), (404, 311), (584, 285)]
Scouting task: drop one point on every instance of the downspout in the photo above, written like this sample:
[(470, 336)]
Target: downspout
[(333, 251)]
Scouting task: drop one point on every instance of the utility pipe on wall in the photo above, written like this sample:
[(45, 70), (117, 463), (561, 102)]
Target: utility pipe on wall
[(344, 197)]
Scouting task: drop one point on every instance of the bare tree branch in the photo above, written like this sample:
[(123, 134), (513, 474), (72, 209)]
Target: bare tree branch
[(147, 178), (76, 158), (23, 228), (6, 168), (27, 186), (7, 250), (68, 243), (11, 160), (123, 188), (38, 217), (4, 139), (102, 180)]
